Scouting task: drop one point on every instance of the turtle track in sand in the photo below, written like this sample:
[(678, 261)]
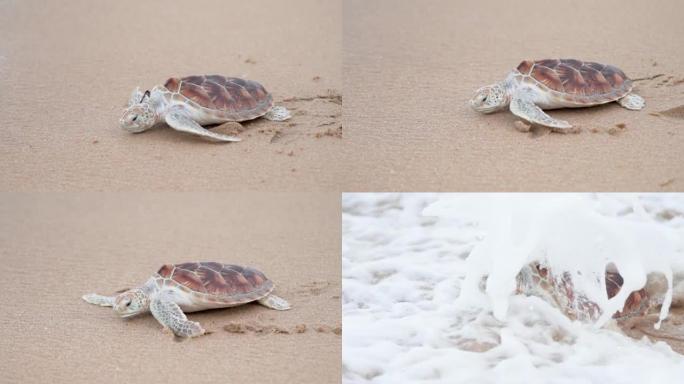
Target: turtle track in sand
[(305, 290), (325, 112), (675, 113), (318, 117), (664, 80), (271, 329)]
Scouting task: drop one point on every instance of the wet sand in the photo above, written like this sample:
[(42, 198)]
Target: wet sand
[(411, 68), (57, 247), (67, 69), (671, 331)]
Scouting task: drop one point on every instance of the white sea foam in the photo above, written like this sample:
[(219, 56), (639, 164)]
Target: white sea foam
[(415, 308)]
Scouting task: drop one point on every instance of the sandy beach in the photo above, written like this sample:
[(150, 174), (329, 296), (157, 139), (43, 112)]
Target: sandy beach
[(58, 247), (412, 66), (67, 69)]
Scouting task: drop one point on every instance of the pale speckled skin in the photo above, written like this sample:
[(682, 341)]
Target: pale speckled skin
[(187, 110), (540, 85), (167, 295)]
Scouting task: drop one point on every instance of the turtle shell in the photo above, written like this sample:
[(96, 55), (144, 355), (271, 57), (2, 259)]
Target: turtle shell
[(578, 78), (637, 302), (559, 290), (226, 94), (230, 283)]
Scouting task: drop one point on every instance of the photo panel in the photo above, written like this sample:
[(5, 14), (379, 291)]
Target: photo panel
[(512, 288), (140, 96), (211, 287), (412, 69)]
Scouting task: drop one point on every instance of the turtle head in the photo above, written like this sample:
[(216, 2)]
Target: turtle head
[(490, 99), (132, 302), (140, 115)]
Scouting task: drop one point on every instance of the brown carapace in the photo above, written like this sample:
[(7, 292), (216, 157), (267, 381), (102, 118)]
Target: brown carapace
[(230, 94), (577, 77), (224, 280)]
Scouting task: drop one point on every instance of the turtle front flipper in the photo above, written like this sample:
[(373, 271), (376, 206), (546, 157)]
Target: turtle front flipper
[(104, 301), (179, 120), (172, 317), (275, 302), (632, 101), (526, 109), (135, 98), (278, 113)]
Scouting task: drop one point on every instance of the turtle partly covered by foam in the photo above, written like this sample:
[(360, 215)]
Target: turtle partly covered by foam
[(559, 290), (190, 287), (535, 86), (188, 103)]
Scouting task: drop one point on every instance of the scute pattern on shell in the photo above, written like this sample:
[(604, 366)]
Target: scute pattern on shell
[(576, 77), (638, 302), (559, 289), (222, 93), (218, 279)]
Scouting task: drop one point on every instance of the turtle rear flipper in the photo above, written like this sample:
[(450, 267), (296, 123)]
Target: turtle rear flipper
[(275, 302), (278, 113), (632, 102)]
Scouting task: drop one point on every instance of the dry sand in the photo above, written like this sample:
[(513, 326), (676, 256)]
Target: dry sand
[(56, 247), (410, 68), (68, 67)]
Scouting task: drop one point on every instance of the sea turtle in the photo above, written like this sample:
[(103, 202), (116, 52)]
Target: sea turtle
[(188, 103), (558, 290), (191, 287), (550, 84)]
